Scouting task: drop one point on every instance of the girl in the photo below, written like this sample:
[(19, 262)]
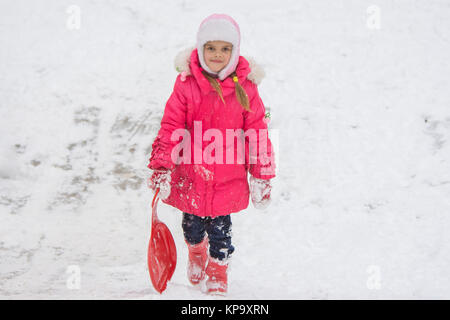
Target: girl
[(215, 92)]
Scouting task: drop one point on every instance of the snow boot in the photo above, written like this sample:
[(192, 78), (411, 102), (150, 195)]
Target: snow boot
[(217, 282), (198, 257)]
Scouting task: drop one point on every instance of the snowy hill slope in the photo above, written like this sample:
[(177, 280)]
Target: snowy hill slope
[(361, 114)]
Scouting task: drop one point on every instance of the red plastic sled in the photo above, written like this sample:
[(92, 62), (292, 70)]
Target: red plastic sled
[(162, 253)]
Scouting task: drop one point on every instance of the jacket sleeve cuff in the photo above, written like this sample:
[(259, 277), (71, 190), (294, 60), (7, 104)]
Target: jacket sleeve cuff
[(265, 172)]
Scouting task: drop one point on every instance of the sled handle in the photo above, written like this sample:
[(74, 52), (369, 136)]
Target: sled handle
[(154, 197), (154, 203)]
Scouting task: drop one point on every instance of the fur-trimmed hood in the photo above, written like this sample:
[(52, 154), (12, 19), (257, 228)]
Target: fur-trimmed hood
[(182, 60)]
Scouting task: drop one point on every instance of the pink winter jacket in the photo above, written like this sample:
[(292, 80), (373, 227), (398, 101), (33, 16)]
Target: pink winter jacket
[(203, 188)]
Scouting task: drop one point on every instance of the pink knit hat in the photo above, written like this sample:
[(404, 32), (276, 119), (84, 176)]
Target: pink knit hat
[(219, 27)]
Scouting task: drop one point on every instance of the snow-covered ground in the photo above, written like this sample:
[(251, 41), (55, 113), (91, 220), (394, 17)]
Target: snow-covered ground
[(360, 101)]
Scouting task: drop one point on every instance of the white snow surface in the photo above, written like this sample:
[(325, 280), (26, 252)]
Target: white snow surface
[(360, 118)]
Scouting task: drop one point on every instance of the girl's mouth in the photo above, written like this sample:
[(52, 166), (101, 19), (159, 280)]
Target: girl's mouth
[(216, 61)]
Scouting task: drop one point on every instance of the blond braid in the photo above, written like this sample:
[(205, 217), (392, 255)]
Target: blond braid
[(241, 95), (214, 84)]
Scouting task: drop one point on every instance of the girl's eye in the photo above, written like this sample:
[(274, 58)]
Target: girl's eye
[(226, 49), (210, 48)]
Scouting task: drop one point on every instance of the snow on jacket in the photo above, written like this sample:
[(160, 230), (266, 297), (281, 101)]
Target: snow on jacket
[(205, 188)]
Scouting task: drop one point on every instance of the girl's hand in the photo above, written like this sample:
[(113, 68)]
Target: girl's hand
[(160, 179), (260, 192)]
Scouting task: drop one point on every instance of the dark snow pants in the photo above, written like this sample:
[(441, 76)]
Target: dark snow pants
[(218, 230)]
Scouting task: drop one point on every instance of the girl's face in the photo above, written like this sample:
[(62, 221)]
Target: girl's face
[(217, 54)]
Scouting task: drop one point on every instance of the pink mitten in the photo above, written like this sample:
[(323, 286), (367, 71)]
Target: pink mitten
[(260, 192), (160, 179)]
